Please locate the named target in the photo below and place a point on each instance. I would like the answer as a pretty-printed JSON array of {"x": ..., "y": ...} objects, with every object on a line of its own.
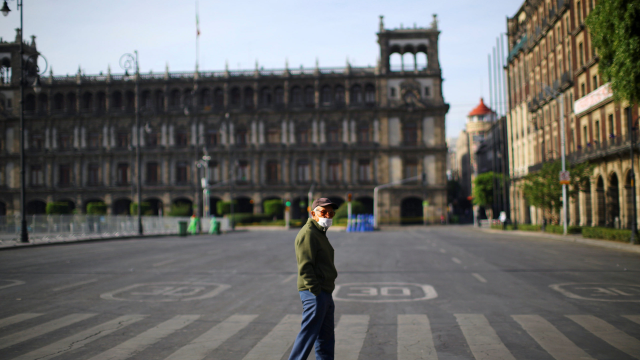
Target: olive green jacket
[{"x": 314, "y": 253}]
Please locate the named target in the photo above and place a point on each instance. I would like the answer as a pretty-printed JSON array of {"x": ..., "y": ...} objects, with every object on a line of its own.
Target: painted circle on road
[
  {"x": 166, "y": 291},
  {"x": 382, "y": 292},
  {"x": 599, "y": 291}
]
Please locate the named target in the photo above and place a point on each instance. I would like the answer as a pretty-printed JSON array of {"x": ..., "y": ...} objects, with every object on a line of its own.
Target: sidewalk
[{"x": 569, "y": 238}]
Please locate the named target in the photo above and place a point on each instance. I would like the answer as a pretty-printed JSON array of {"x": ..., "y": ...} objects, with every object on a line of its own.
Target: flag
[{"x": 197, "y": 21}]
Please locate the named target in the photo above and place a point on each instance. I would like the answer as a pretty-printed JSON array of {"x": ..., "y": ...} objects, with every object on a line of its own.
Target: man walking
[{"x": 316, "y": 281}]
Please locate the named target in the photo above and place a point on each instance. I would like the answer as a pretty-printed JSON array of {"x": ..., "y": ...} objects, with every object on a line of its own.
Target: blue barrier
[{"x": 360, "y": 223}]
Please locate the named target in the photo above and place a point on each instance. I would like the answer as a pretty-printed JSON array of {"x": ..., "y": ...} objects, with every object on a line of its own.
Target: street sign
[{"x": 565, "y": 178}]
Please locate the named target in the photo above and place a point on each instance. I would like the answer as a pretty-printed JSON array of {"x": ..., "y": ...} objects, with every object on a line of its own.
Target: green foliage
[
  {"x": 273, "y": 208},
  {"x": 614, "y": 26},
  {"x": 250, "y": 218},
  {"x": 58, "y": 208},
  {"x": 179, "y": 209},
  {"x": 357, "y": 208},
  {"x": 559, "y": 229},
  {"x": 483, "y": 188},
  {"x": 96, "y": 208},
  {"x": 621, "y": 235},
  {"x": 529, "y": 227},
  {"x": 224, "y": 207},
  {"x": 146, "y": 208},
  {"x": 542, "y": 189}
]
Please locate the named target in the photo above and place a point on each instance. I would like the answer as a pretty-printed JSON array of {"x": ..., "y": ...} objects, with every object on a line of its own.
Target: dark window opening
[
  {"x": 93, "y": 174},
  {"x": 37, "y": 175},
  {"x": 152, "y": 173},
  {"x": 182, "y": 138}
]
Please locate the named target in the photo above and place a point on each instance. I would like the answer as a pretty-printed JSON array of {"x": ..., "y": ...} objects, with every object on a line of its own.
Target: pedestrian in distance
[{"x": 316, "y": 282}]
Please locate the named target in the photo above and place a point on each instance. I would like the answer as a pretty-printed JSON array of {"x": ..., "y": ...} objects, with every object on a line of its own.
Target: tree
[
  {"x": 615, "y": 32},
  {"x": 542, "y": 189},
  {"x": 483, "y": 191}
]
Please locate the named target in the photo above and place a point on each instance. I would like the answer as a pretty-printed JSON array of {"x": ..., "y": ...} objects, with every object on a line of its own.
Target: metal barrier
[{"x": 69, "y": 227}]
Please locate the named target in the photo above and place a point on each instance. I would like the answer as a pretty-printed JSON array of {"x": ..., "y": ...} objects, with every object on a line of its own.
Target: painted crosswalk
[{"x": 101, "y": 338}]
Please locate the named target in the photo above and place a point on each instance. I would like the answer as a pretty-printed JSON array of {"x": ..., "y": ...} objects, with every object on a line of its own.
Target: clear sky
[{"x": 92, "y": 34}]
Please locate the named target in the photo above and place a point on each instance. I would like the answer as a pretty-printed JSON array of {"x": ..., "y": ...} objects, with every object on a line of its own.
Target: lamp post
[
  {"x": 24, "y": 235},
  {"x": 204, "y": 163},
  {"x": 130, "y": 62}
]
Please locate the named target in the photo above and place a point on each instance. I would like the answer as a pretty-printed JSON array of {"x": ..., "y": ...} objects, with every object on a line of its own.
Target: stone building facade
[
  {"x": 271, "y": 134},
  {"x": 550, "y": 46}
]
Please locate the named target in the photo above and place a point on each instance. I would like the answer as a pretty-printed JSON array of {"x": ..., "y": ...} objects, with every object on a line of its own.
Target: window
[
  {"x": 303, "y": 171},
  {"x": 356, "y": 95},
  {"x": 597, "y": 138},
  {"x": 265, "y": 96},
  {"x": 427, "y": 91},
  {"x": 272, "y": 172},
  {"x": 182, "y": 138},
  {"x": 279, "y": 95},
  {"x": 152, "y": 139},
  {"x": 363, "y": 134},
  {"x": 243, "y": 171},
  {"x": 325, "y": 95},
  {"x": 370, "y": 94},
  {"x": 309, "y": 97},
  {"x": 333, "y": 175},
  {"x": 174, "y": 99},
  {"x": 93, "y": 174},
  {"x": 410, "y": 168},
  {"x": 612, "y": 131},
  {"x": 582, "y": 90},
  {"x": 296, "y": 96},
  {"x": 211, "y": 137},
  {"x": 595, "y": 82},
  {"x": 339, "y": 95},
  {"x": 333, "y": 134},
  {"x": 64, "y": 175},
  {"x": 87, "y": 102},
  {"x": 248, "y": 98},
  {"x": 364, "y": 170},
  {"x": 58, "y": 102},
  {"x": 409, "y": 133},
  {"x": 65, "y": 141},
  {"x": 214, "y": 172},
  {"x": 205, "y": 99},
  {"x": 392, "y": 92},
  {"x": 122, "y": 174},
  {"x": 579, "y": 10},
  {"x": 235, "y": 97},
  {"x": 37, "y": 175},
  {"x": 581, "y": 54},
  {"x": 145, "y": 101},
  {"x": 584, "y": 134},
  {"x": 241, "y": 137},
  {"x": 182, "y": 173},
  {"x": 116, "y": 100},
  {"x": 218, "y": 98},
  {"x": 37, "y": 141},
  {"x": 273, "y": 136},
  {"x": 122, "y": 140},
  {"x": 152, "y": 173},
  {"x": 94, "y": 140},
  {"x": 302, "y": 135}
]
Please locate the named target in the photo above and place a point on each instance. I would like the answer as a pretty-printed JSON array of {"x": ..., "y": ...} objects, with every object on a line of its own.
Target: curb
[{"x": 570, "y": 238}]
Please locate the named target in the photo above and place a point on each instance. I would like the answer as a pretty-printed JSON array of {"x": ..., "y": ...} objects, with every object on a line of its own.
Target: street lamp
[
  {"x": 130, "y": 62},
  {"x": 206, "y": 205}
]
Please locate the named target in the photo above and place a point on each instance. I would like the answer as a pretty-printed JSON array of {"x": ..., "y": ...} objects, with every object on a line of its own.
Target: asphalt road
[{"x": 421, "y": 293}]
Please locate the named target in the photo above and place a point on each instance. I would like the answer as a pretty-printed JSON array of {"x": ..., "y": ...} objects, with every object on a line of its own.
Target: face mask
[{"x": 324, "y": 222}]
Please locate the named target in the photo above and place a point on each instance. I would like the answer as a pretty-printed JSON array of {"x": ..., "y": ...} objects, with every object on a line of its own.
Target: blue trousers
[{"x": 317, "y": 327}]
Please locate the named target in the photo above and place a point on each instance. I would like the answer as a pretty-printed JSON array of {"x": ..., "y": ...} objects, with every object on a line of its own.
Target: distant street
[{"x": 421, "y": 293}]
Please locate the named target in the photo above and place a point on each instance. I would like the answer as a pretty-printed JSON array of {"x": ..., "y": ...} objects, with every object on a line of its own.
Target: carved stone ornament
[{"x": 410, "y": 95}]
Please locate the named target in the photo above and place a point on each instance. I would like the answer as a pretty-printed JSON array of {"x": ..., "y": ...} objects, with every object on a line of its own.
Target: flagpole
[{"x": 197, "y": 37}]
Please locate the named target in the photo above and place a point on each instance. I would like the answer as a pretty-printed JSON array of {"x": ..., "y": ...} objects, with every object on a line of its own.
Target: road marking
[
  {"x": 479, "y": 277},
  {"x": 482, "y": 339},
  {"x": 443, "y": 251},
  {"x": 16, "y": 319},
  {"x": 350, "y": 334},
  {"x": 599, "y": 291},
  {"x": 415, "y": 340},
  {"x": 13, "y": 283},
  {"x": 550, "y": 338},
  {"x": 81, "y": 339},
  {"x": 166, "y": 262},
  {"x": 200, "y": 347},
  {"x": 278, "y": 340},
  {"x": 456, "y": 260},
  {"x": 74, "y": 285},
  {"x": 609, "y": 333},
  {"x": 146, "y": 339},
  {"x": 166, "y": 291},
  {"x": 289, "y": 278},
  {"x": 634, "y": 318},
  {"x": 42, "y": 329},
  {"x": 384, "y": 292}
]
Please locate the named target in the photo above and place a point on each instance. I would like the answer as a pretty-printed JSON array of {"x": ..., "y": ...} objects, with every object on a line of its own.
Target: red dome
[{"x": 481, "y": 109}]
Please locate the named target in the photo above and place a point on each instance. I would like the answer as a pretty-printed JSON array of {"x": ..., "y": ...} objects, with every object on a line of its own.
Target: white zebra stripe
[
  {"x": 550, "y": 338},
  {"x": 482, "y": 338},
  {"x": 16, "y": 319},
  {"x": 278, "y": 340},
  {"x": 415, "y": 340},
  {"x": 609, "y": 333},
  {"x": 36, "y": 331},
  {"x": 350, "y": 334}
]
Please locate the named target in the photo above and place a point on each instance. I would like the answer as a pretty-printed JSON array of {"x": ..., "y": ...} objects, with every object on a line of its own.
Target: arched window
[
  {"x": 218, "y": 98},
  {"x": 309, "y": 96},
  {"x": 87, "y": 102},
  {"x": 325, "y": 95},
  {"x": 370, "y": 94},
  {"x": 248, "y": 98},
  {"x": 235, "y": 97},
  {"x": 265, "y": 96},
  {"x": 174, "y": 99},
  {"x": 71, "y": 103},
  {"x": 296, "y": 96},
  {"x": 101, "y": 102},
  {"x": 30, "y": 103},
  {"x": 339, "y": 95},
  {"x": 43, "y": 103},
  {"x": 159, "y": 100},
  {"x": 58, "y": 102},
  {"x": 116, "y": 100},
  {"x": 279, "y": 95},
  {"x": 356, "y": 94}
]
